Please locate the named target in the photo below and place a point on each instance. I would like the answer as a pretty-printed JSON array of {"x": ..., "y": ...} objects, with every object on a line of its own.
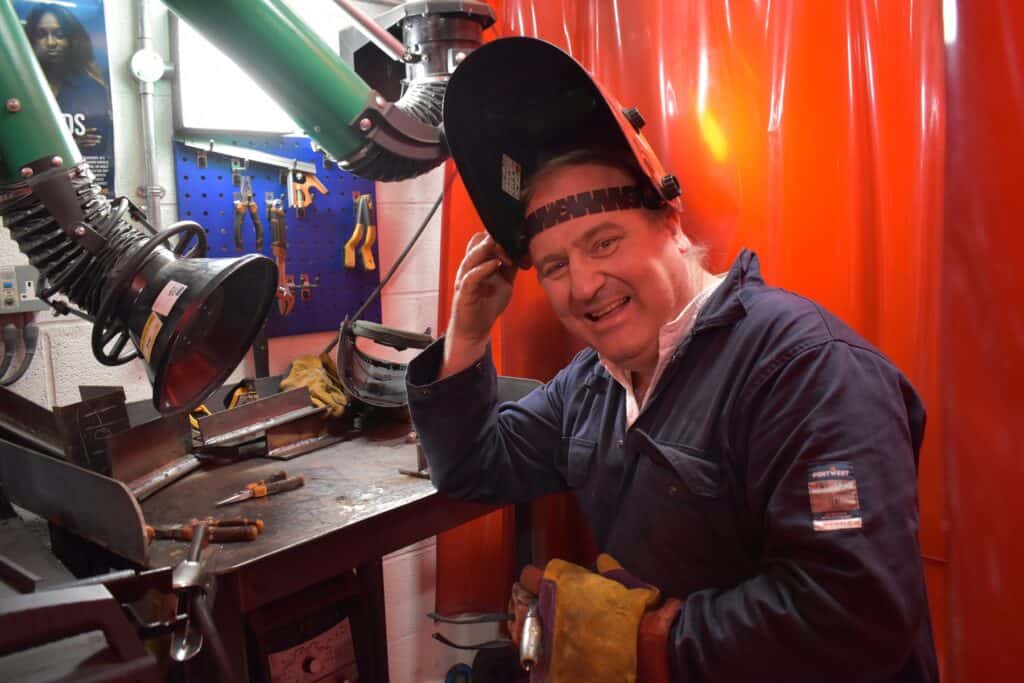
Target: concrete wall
[{"x": 64, "y": 359}]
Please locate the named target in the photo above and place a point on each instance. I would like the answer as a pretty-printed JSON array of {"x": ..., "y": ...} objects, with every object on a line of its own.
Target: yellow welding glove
[
  {"x": 590, "y": 622},
  {"x": 320, "y": 375}
]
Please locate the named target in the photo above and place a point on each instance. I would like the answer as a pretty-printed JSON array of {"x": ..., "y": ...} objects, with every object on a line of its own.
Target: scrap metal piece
[
  {"x": 17, "y": 577},
  {"x": 243, "y": 423},
  {"x": 150, "y": 483},
  {"x": 149, "y": 448},
  {"x": 300, "y": 436},
  {"x": 28, "y": 424},
  {"x": 88, "y": 424},
  {"x": 88, "y": 504}
]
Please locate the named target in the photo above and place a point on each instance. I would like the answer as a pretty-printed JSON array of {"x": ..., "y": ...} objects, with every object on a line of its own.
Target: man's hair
[
  {"x": 612, "y": 158},
  {"x": 79, "y": 57}
]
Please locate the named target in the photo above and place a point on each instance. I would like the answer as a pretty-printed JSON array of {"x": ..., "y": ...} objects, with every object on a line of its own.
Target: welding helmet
[{"x": 515, "y": 103}]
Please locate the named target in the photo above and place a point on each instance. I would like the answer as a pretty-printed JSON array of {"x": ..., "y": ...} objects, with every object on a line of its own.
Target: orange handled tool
[
  {"x": 220, "y": 531},
  {"x": 278, "y": 483},
  {"x": 365, "y": 225}
]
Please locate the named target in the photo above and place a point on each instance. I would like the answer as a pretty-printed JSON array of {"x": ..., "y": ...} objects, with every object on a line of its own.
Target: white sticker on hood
[{"x": 511, "y": 177}]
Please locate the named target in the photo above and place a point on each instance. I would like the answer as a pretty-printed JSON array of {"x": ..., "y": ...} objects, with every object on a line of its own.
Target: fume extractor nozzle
[
  {"x": 147, "y": 293},
  {"x": 403, "y": 139},
  {"x": 352, "y": 123}
]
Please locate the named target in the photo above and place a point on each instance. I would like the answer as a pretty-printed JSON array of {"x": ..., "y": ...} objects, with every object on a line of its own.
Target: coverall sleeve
[
  {"x": 828, "y": 603},
  {"x": 480, "y": 450}
]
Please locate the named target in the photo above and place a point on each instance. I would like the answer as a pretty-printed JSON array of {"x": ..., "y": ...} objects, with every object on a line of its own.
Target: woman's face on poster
[{"x": 49, "y": 41}]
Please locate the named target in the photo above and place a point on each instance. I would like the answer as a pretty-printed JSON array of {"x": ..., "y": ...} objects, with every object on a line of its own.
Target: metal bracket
[
  {"x": 241, "y": 156},
  {"x": 391, "y": 128},
  {"x": 54, "y": 189}
]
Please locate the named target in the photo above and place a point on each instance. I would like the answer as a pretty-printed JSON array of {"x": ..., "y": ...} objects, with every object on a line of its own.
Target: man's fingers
[
  {"x": 473, "y": 278},
  {"x": 503, "y": 255},
  {"x": 475, "y": 239},
  {"x": 479, "y": 249}
]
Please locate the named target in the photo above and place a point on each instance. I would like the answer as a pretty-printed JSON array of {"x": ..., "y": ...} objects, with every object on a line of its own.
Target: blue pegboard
[{"x": 315, "y": 242}]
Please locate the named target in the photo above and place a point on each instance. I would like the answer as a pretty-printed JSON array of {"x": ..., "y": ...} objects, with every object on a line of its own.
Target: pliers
[
  {"x": 275, "y": 216},
  {"x": 364, "y": 222},
  {"x": 244, "y": 202},
  {"x": 277, "y": 483}
]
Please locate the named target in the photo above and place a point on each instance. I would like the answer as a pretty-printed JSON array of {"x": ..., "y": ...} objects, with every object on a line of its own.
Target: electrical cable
[
  {"x": 398, "y": 262},
  {"x": 10, "y": 342},
  {"x": 30, "y": 334}
]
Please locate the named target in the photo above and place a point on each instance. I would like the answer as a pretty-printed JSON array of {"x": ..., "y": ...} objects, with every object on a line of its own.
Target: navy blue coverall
[{"x": 770, "y": 482}]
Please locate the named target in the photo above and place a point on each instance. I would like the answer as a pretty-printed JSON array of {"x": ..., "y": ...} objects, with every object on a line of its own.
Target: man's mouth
[{"x": 603, "y": 312}]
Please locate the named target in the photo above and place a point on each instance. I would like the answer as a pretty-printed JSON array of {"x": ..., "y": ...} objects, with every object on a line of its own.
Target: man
[{"x": 733, "y": 445}]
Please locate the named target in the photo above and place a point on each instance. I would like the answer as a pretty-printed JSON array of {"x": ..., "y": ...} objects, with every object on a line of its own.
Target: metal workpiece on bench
[
  {"x": 232, "y": 427},
  {"x": 25, "y": 423},
  {"x": 149, "y": 447},
  {"x": 88, "y": 504}
]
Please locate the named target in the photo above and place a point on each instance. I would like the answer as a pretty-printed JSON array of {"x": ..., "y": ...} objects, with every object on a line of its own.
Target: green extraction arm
[
  {"x": 365, "y": 133},
  {"x": 289, "y": 61},
  {"x": 31, "y": 127},
  {"x": 370, "y": 136}
]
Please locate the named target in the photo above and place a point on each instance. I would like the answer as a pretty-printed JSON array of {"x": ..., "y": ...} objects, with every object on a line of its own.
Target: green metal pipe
[
  {"x": 281, "y": 53},
  {"x": 31, "y": 125}
]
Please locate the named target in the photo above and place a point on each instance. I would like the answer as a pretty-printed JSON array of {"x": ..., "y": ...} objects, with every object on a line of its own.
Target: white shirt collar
[{"x": 669, "y": 337}]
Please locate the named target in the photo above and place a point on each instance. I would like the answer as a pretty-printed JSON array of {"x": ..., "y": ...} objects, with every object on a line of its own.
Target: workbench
[{"x": 355, "y": 508}]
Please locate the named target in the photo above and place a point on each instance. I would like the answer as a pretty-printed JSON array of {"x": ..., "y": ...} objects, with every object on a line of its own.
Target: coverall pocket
[
  {"x": 580, "y": 454},
  {"x": 698, "y": 476}
]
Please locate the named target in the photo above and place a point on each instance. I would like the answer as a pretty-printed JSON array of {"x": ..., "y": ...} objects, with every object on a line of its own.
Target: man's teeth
[{"x": 597, "y": 315}]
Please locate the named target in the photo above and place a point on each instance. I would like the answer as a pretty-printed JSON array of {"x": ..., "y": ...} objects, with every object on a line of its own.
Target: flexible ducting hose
[{"x": 68, "y": 268}]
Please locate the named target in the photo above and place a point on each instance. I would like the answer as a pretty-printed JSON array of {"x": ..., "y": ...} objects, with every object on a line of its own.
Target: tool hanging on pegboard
[
  {"x": 366, "y": 226},
  {"x": 310, "y": 211},
  {"x": 279, "y": 246},
  {"x": 299, "y": 186},
  {"x": 245, "y": 203}
]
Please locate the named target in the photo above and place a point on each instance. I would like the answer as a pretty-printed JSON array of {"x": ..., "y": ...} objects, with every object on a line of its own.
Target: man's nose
[
  {"x": 585, "y": 280},
  {"x": 51, "y": 40}
]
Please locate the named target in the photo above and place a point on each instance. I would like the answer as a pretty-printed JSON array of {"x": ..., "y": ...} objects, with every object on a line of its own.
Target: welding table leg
[
  {"x": 230, "y": 623},
  {"x": 261, "y": 353},
  {"x": 372, "y": 659}
]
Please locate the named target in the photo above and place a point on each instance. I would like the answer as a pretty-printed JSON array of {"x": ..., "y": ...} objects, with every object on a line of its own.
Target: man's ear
[{"x": 675, "y": 227}]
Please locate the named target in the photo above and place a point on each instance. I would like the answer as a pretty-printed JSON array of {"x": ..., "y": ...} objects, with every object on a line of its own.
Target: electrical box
[{"x": 18, "y": 290}]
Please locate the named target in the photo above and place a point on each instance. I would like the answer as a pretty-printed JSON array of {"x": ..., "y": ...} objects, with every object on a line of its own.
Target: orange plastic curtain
[
  {"x": 811, "y": 132},
  {"x": 983, "y": 337}
]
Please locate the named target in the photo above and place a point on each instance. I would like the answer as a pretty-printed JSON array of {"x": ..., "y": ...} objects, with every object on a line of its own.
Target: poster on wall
[{"x": 69, "y": 39}]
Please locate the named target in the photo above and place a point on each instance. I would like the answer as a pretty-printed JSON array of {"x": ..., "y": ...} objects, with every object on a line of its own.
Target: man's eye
[
  {"x": 606, "y": 244},
  {"x": 553, "y": 269}
]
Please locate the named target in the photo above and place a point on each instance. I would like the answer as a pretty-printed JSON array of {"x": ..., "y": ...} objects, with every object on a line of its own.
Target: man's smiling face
[{"x": 613, "y": 278}]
